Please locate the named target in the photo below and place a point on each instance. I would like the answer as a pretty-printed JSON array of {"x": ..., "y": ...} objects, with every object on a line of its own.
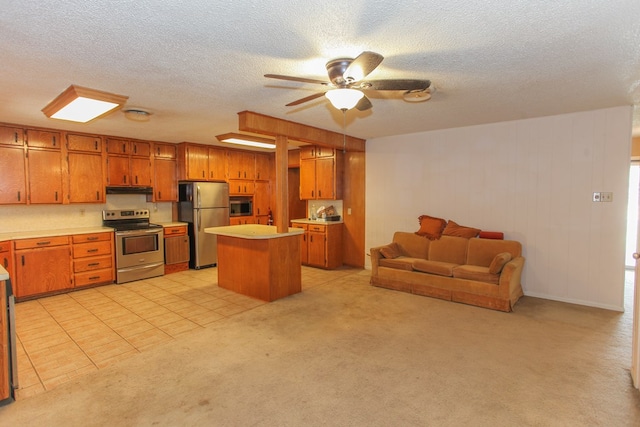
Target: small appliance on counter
[
  {"x": 203, "y": 205},
  {"x": 139, "y": 244}
]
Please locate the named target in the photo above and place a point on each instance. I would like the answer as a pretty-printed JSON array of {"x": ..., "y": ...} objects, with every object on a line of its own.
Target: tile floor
[{"x": 63, "y": 336}]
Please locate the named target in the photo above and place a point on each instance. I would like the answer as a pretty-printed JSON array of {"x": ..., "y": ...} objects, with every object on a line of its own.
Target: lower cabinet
[
  {"x": 321, "y": 245},
  {"x": 93, "y": 259},
  {"x": 176, "y": 249},
  {"x": 241, "y": 220},
  {"x": 42, "y": 266}
]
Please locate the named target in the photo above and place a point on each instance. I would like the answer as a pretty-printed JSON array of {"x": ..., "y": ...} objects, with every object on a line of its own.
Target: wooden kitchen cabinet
[
  {"x": 321, "y": 245},
  {"x": 165, "y": 184},
  {"x": 85, "y": 178},
  {"x": 321, "y": 175},
  {"x": 140, "y": 172},
  {"x": 217, "y": 164},
  {"x": 13, "y": 178},
  {"x": 11, "y": 136},
  {"x": 193, "y": 162},
  {"x": 261, "y": 200},
  {"x": 6, "y": 256},
  {"x": 42, "y": 266},
  {"x": 241, "y": 220},
  {"x": 45, "y": 176},
  {"x": 86, "y": 143},
  {"x": 241, "y": 187},
  {"x": 43, "y": 139},
  {"x": 176, "y": 249},
  {"x": 128, "y": 171},
  {"x": 242, "y": 165},
  {"x": 265, "y": 163},
  {"x": 93, "y": 259}
]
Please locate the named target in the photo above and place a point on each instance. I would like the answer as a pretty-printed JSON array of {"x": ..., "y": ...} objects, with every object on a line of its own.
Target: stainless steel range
[{"x": 139, "y": 244}]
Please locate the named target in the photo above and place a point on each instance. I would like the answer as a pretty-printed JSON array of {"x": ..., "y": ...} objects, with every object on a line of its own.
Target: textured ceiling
[{"x": 196, "y": 64}]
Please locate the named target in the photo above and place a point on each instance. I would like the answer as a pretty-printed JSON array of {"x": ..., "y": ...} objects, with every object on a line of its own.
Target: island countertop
[{"x": 252, "y": 231}]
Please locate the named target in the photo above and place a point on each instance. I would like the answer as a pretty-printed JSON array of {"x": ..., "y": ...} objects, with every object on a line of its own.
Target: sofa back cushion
[
  {"x": 412, "y": 245},
  {"x": 450, "y": 249},
  {"x": 483, "y": 251}
]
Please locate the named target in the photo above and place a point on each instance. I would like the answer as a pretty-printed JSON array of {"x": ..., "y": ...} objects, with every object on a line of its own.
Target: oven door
[{"x": 139, "y": 247}]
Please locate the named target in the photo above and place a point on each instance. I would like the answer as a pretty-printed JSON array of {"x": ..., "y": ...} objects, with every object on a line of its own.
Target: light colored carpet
[{"x": 346, "y": 353}]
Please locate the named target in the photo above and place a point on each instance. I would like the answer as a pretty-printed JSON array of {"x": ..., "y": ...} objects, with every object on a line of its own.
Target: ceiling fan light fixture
[
  {"x": 80, "y": 104},
  {"x": 248, "y": 140},
  {"x": 344, "y": 99},
  {"x": 418, "y": 95}
]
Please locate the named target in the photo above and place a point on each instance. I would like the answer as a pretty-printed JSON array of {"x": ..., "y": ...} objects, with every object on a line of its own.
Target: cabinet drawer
[
  {"x": 318, "y": 228},
  {"x": 94, "y": 277},
  {"x": 88, "y": 264},
  {"x": 91, "y": 249},
  {"x": 175, "y": 231},
  {"x": 92, "y": 237},
  {"x": 42, "y": 242},
  {"x": 5, "y": 246},
  {"x": 299, "y": 225}
]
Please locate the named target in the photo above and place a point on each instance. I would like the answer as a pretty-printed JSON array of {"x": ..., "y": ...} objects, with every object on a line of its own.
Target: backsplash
[{"x": 53, "y": 217}]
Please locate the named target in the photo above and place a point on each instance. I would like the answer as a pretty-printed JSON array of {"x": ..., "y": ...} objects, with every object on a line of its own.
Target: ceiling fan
[{"x": 347, "y": 85}]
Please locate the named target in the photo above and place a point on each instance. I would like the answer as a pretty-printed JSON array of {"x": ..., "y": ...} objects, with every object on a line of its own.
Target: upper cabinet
[
  {"x": 165, "y": 182},
  {"x": 11, "y": 136},
  {"x": 321, "y": 173},
  {"x": 242, "y": 165},
  {"x": 86, "y": 166},
  {"x": 13, "y": 175},
  {"x": 44, "y": 165},
  {"x": 201, "y": 163},
  {"x": 128, "y": 163},
  {"x": 265, "y": 165}
]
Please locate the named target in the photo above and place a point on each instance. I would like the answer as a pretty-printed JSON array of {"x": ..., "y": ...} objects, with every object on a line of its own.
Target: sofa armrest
[
  {"x": 509, "y": 283},
  {"x": 375, "y": 256}
]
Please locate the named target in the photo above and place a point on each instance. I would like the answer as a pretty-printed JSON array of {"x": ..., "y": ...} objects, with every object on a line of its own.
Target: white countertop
[
  {"x": 252, "y": 231},
  {"x": 3, "y": 274},
  {"x": 50, "y": 233},
  {"x": 171, "y": 224},
  {"x": 316, "y": 221}
]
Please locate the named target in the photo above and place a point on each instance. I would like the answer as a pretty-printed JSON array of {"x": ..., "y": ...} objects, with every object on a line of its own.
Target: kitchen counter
[
  {"x": 252, "y": 231},
  {"x": 51, "y": 233},
  {"x": 316, "y": 221},
  {"x": 4, "y": 275},
  {"x": 257, "y": 261},
  {"x": 171, "y": 224}
]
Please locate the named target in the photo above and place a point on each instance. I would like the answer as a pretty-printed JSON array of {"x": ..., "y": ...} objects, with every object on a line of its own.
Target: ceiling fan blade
[
  {"x": 360, "y": 67},
  {"x": 364, "y": 104},
  {"x": 297, "y": 79},
  {"x": 306, "y": 99},
  {"x": 396, "y": 84}
]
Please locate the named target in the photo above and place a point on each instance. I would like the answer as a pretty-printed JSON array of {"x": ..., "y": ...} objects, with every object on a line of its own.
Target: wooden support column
[{"x": 282, "y": 184}]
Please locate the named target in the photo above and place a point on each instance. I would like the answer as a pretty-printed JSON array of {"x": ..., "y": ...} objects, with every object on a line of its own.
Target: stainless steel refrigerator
[{"x": 203, "y": 205}]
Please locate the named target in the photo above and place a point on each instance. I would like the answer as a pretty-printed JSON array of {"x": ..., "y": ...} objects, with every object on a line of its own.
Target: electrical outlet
[
  {"x": 596, "y": 197},
  {"x": 348, "y": 211},
  {"x": 606, "y": 197}
]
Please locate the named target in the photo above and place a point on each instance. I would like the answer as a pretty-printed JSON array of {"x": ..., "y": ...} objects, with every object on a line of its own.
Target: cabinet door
[
  {"x": 118, "y": 170},
  {"x": 165, "y": 185},
  {"x": 304, "y": 248},
  {"x": 165, "y": 151},
  {"x": 6, "y": 257},
  {"x": 197, "y": 162},
  {"x": 13, "y": 181},
  {"x": 307, "y": 152},
  {"x": 42, "y": 270},
  {"x": 324, "y": 152},
  {"x": 11, "y": 136},
  {"x": 45, "y": 176},
  {"x": 264, "y": 165},
  {"x": 316, "y": 251},
  {"x": 43, "y": 139},
  {"x": 140, "y": 172},
  {"x": 241, "y": 187},
  {"x": 84, "y": 143},
  {"x": 325, "y": 178},
  {"x": 217, "y": 164},
  {"x": 140, "y": 149},
  {"x": 307, "y": 179},
  {"x": 117, "y": 146},
  {"x": 261, "y": 198},
  {"x": 85, "y": 178}
]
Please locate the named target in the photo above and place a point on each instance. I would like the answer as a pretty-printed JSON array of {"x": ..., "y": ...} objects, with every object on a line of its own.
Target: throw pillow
[
  {"x": 392, "y": 250},
  {"x": 498, "y": 262},
  {"x": 431, "y": 227},
  {"x": 454, "y": 229}
]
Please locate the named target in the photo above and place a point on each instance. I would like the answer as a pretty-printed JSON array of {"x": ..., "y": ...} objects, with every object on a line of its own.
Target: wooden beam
[
  {"x": 267, "y": 125},
  {"x": 282, "y": 184}
]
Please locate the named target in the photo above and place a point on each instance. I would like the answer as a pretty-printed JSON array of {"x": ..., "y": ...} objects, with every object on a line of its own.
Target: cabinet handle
[
  {"x": 124, "y": 178},
  {"x": 94, "y": 277},
  {"x": 93, "y": 264},
  {"x": 124, "y": 147},
  {"x": 95, "y": 144},
  {"x": 97, "y": 195},
  {"x": 311, "y": 238},
  {"x": 6, "y": 263},
  {"x": 15, "y": 135},
  {"x": 46, "y": 242},
  {"x": 92, "y": 238},
  {"x": 54, "y": 141},
  {"x": 92, "y": 250},
  {"x": 203, "y": 174},
  {"x": 136, "y": 179},
  {"x": 18, "y": 196},
  {"x": 56, "y": 196},
  {"x": 135, "y": 149},
  {"x": 23, "y": 260},
  {"x": 159, "y": 194},
  {"x": 319, "y": 193}
]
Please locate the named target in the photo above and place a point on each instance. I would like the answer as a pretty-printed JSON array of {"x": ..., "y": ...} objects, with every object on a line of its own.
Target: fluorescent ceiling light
[
  {"x": 344, "y": 99},
  {"x": 249, "y": 140},
  {"x": 80, "y": 104}
]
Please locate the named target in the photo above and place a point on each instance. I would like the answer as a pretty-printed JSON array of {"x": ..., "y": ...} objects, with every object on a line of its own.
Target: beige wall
[{"x": 532, "y": 179}]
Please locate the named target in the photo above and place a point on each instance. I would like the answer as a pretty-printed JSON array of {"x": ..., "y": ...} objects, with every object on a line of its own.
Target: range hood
[{"x": 129, "y": 190}]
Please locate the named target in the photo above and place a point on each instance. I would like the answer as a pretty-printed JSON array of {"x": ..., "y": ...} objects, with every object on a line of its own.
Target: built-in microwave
[{"x": 240, "y": 206}]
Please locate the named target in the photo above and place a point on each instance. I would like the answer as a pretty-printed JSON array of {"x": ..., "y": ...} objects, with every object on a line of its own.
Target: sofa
[{"x": 477, "y": 271}]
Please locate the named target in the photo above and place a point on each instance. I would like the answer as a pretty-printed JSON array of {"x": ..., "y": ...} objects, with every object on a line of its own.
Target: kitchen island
[{"x": 257, "y": 261}]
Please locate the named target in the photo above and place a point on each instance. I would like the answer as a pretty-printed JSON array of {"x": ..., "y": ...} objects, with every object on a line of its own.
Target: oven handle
[{"x": 140, "y": 267}]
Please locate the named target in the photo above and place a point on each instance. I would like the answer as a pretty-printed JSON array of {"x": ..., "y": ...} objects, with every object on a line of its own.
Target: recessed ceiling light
[
  {"x": 248, "y": 140},
  {"x": 80, "y": 104},
  {"x": 137, "y": 114}
]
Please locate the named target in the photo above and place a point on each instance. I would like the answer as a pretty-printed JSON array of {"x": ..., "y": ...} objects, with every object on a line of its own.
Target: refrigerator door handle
[
  {"x": 199, "y": 203},
  {"x": 199, "y": 220}
]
